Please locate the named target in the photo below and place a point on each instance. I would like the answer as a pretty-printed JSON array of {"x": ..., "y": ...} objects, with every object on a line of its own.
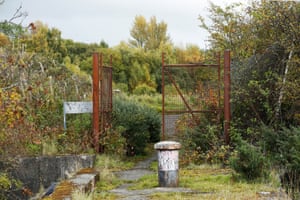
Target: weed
[
  {"x": 107, "y": 165},
  {"x": 79, "y": 195},
  {"x": 147, "y": 181}
]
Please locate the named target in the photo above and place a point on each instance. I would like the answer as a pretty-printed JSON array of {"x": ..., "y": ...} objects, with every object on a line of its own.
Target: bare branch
[
  {"x": 18, "y": 14},
  {"x": 10, "y": 87}
]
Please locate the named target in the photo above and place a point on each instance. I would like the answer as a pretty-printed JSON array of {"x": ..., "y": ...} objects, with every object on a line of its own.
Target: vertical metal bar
[
  {"x": 96, "y": 101},
  {"x": 65, "y": 119},
  {"x": 101, "y": 93},
  {"x": 226, "y": 95},
  {"x": 163, "y": 94},
  {"x": 219, "y": 85},
  {"x": 219, "y": 78},
  {"x": 111, "y": 97},
  {"x": 110, "y": 90}
]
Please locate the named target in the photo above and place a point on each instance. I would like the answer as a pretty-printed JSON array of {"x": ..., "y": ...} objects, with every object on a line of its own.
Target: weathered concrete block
[
  {"x": 84, "y": 181},
  {"x": 37, "y": 172}
]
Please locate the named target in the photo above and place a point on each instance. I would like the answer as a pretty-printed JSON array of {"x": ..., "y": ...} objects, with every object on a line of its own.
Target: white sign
[{"x": 77, "y": 108}]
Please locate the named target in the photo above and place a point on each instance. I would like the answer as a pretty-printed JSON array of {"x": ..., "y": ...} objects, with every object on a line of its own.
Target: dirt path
[{"x": 141, "y": 169}]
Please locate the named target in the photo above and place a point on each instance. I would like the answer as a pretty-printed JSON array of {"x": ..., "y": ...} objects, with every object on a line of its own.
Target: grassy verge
[
  {"x": 206, "y": 181},
  {"x": 211, "y": 183}
]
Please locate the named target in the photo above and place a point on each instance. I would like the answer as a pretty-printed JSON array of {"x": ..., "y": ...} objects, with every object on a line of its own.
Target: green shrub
[
  {"x": 202, "y": 143},
  {"x": 7, "y": 185},
  {"x": 123, "y": 87},
  {"x": 283, "y": 146},
  {"x": 144, "y": 89},
  {"x": 113, "y": 142},
  {"x": 141, "y": 124},
  {"x": 249, "y": 162}
]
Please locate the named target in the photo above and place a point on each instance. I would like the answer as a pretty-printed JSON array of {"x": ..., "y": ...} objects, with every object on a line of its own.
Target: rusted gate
[
  {"x": 102, "y": 97},
  {"x": 190, "y": 88}
]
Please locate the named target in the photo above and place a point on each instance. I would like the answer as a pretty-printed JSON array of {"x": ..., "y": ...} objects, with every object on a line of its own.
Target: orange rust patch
[
  {"x": 64, "y": 189},
  {"x": 87, "y": 171}
]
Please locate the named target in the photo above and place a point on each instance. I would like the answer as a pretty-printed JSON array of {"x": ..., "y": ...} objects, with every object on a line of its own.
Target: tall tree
[
  {"x": 228, "y": 29},
  {"x": 266, "y": 34},
  {"x": 139, "y": 32},
  {"x": 148, "y": 35}
]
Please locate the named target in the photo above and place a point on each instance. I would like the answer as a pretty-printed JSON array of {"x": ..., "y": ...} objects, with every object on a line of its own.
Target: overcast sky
[{"x": 91, "y": 21}]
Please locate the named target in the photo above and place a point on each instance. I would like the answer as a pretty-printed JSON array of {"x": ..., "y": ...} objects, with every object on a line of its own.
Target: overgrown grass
[
  {"x": 79, "y": 195},
  {"x": 146, "y": 182},
  {"x": 107, "y": 165},
  {"x": 208, "y": 182},
  {"x": 172, "y": 102},
  {"x": 111, "y": 164}
]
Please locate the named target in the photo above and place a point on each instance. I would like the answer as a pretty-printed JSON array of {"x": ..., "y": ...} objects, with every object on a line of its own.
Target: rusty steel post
[
  {"x": 110, "y": 86},
  {"x": 218, "y": 59},
  {"x": 219, "y": 78},
  {"x": 96, "y": 101},
  {"x": 163, "y": 94},
  {"x": 226, "y": 96},
  {"x": 101, "y": 95},
  {"x": 110, "y": 91}
]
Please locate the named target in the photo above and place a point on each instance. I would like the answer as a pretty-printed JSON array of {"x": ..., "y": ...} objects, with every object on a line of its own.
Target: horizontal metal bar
[
  {"x": 192, "y": 65},
  {"x": 194, "y": 111}
]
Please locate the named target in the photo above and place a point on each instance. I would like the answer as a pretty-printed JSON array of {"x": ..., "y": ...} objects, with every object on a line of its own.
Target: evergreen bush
[
  {"x": 140, "y": 123},
  {"x": 283, "y": 146},
  {"x": 249, "y": 162}
]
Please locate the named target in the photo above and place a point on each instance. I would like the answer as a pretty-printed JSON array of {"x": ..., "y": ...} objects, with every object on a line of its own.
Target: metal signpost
[
  {"x": 72, "y": 107},
  {"x": 101, "y": 105}
]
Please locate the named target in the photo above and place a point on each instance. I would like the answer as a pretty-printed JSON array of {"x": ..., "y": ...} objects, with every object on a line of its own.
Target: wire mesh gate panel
[
  {"x": 192, "y": 89},
  {"x": 106, "y": 98}
]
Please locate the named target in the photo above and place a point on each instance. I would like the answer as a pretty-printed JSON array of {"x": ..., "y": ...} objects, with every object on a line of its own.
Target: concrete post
[{"x": 168, "y": 163}]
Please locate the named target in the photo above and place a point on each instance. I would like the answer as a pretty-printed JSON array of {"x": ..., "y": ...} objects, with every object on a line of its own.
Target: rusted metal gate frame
[
  {"x": 226, "y": 107},
  {"x": 102, "y": 110},
  {"x": 227, "y": 111}
]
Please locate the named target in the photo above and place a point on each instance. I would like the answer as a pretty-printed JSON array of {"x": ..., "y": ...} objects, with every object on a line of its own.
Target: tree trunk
[{"x": 279, "y": 102}]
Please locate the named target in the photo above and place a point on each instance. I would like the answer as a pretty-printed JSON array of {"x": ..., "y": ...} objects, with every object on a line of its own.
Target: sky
[{"x": 91, "y": 21}]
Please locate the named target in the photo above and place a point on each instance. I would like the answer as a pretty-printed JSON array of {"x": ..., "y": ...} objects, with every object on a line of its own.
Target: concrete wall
[{"x": 37, "y": 172}]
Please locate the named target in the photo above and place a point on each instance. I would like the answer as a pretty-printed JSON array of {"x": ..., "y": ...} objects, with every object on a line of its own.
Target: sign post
[
  {"x": 76, "y": 108},
  {"x": 96, "y": 130},
  {"x": 227, "y": 96}
]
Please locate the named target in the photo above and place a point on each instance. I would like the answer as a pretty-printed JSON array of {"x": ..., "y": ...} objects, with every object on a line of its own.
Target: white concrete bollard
[{"x": 168, "y": 163}]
